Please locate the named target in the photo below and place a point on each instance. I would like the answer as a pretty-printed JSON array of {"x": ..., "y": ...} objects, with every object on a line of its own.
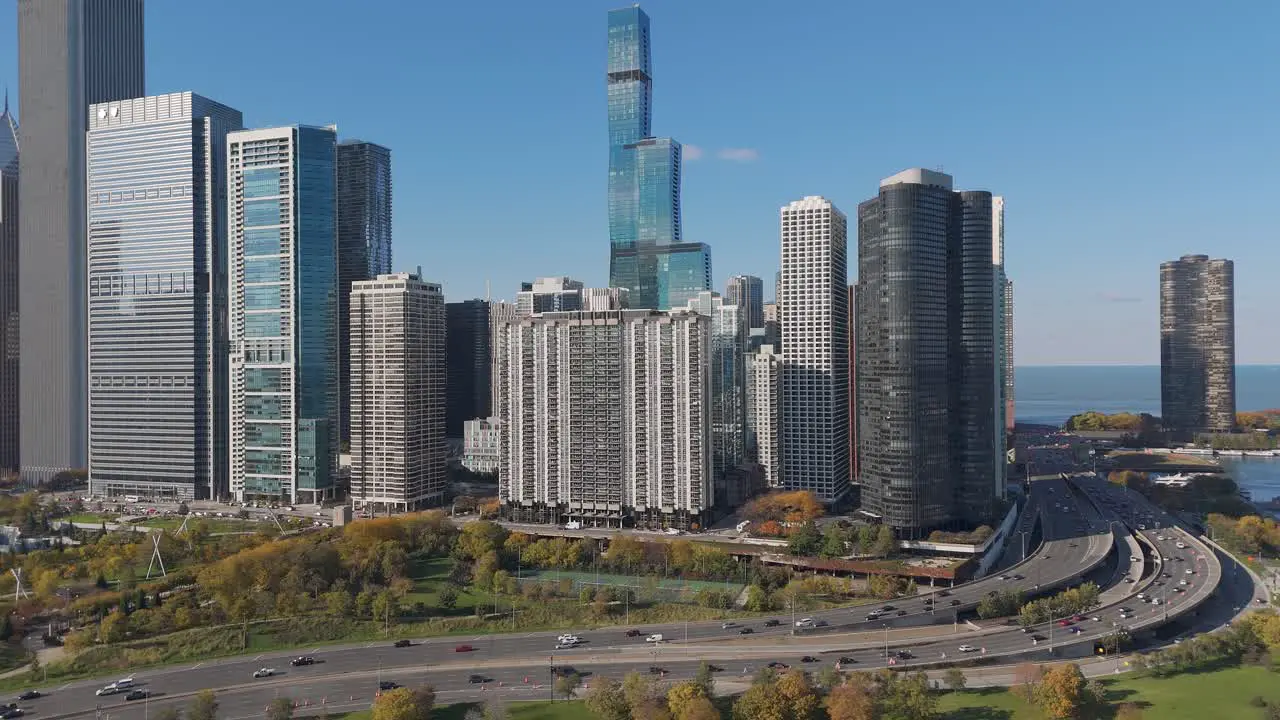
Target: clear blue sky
[{"x": 1121, "y": 133}]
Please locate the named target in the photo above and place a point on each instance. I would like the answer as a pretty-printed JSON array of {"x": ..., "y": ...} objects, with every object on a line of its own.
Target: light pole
[{"x": 886, "y": 643}]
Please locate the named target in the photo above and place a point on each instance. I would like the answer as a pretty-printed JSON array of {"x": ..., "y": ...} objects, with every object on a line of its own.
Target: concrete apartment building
[
  {"x": 605, "y": 418},
  {"x": 1197, "y": 345},
  {"x": 397, "y": 394}
]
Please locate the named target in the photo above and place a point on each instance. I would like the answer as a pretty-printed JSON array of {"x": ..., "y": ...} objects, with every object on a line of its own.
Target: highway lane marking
[
  {"x": 64, "y": 687},
  {"x": 197, "y": 666},
  {"x": 259, "y": 657}
]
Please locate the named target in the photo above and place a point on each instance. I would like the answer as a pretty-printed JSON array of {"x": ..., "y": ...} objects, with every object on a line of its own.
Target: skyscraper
[
  {"x": 1197, "y": 345},
  {"x": 647, "y": 253},
  {"x": 157, "y": 232},
  {"x": 728, "y": 411},
  {"x": 1000, "y": 314},
  {"x": 283, "y": 312},
  {"x": 9, "y": 347},
  {"x": 815, "y": 374},
  {"x": 747, "y": 292},
  {"x": 765, "y": 412},
  {"x": 853, "y": 381},
  {"x": 926, "y": 355},
  {"x": 604, "y": 417},
  {"x": 468, "y": 362},
  {"x": 1010, "y": 404},
  {"x": 397, "y": 393},
  {"x": 71, "y": 54},
  {"x": 364, "y": 239}
]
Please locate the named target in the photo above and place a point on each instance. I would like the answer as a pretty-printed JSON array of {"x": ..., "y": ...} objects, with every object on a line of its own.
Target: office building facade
[
  {"x": 481, "y": 445},
  {"x": 747, "y": 292},
  {"x": 71, "y": 54},
  {"x": 1010, "y": 404},
  {"x": 552, "y": 294},
  {"x": 728, "y": 411},
  {"x": 157, "y": 305},
  {"x": 283, "y": 313},
  {"x": 397, "y": 394},
  {"x": 364, "y": 240},
  {"x": 9, "y": 330},
  {"x": 604, "y": 418},
  {"x": 764, "y": 412},
  {"x": 927, "y": 353},
  {"x": 648, "y": 255},
  {"x": 1197, "y": 345},
  {"x": 813, "y": 313}
]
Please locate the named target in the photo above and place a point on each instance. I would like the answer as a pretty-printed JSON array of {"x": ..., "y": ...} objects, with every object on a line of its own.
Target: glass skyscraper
[
  {"x": 157, "y": 296},
  {"x": 364, "y": 240},
  {"x": 284, "y": 313},
  {"x": 647, "y": 254}
]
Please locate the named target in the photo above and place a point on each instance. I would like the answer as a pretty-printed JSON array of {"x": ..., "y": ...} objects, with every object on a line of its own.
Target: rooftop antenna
[
  {"x": 486, "y": 289},
  {"x": 155, "y": 556}
]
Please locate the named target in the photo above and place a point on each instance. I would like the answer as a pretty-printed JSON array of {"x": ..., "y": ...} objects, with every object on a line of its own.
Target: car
[
  {"x": 1027, "y": 630},
  {"x": 808, "y": 659},
  {"x": 772, "y": 623},
  {"x": 846, "y": 660},
  {"x": 775, "y": 665},
  {"x": 1078, "y": 618},
  {"x": 12, "y": 712},
  {"x": 634, "y": 633},
  {"x": 654, "y": 638},
  {"x": 655, "y": 670},
  {"x": 944, "y": 593},
  {"x": 967, "y": 649},
  {"x": 1018, "y": 577},
  {"x": 263, "y": 672},
  {"x": 1166, "y": 575},
  {"x": 138, "y": 695},
  {"x": 30, "y": 695},
  {"x": 1180, "y": 545},
  {"x": 302, "y": 660},
  {"x": 1075, "y": 630},
  {"x": 1134, "y": 558},
  {"x": 804, "y": 622},
  {"x": 1097, "y": 618},
  {"x": 1189, "y": 571},
  {"x": 1064, "y": 623},
  {"x": 904, "y": 655},
  {"x": 1037, "y": 638},
  {"x": 953, "y": 603},
  {"x": 1126, "y": 609},
  {"x": 1178, "y": 590},
  {"x": 874, "y": 615},
  {"x": 728, "y": 625},
  {"x": 463, "y": 648},
  {"x": 566, "y": 646},
  {"x": 900, "y": 613},
  {"x": 475, "y": 679},
  {"x": 386, "y": 685},
  {"x": 1125, "y": 616},
  {"x": 715, "y": 668},
  {"x": 887, "y": 608},
  {"x": 1156, "y": 601},
  {"x": 566, "y": 638},
  {"x": 403, "y": 644},
  {"x": 928, "y": 601},
  {"x": 1006, "y": 578},
  {"x": 745, "y": 631}
]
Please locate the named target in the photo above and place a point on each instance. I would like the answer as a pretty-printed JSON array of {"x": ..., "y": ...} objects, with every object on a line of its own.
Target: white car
[
  {"x": 654, "y": 638},
  {"x": 566, "y": 645},
  {"x": 1142, "y": 596},
  {"x": 968, "y": 649},
  {"x": 1189, "y": 571},
  {"x": 263, "y": 672},
  {"x": 1180, "y": 545},
  {"x": 568, "y": 639},
  {"x": 804, "y": 622}
]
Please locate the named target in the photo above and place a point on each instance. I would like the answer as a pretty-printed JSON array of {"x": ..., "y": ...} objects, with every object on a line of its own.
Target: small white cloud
[
  {"x": 739, "y": 154},
  {"x": 691, "y": 152}
]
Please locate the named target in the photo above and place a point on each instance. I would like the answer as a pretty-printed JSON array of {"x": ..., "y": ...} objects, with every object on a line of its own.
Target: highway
[{"x": 516, "y": 665}]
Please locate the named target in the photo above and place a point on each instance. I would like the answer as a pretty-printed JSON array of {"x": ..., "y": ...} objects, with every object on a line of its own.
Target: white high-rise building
[
  {"x": 814, "y": 309},
  {"x": 605, "y": 415},
  {"x": 481, "y": 441},
  {"x": 764, "y": 411},
  {"x": 397, "y": 393},
  {"x": 728, "y": 384},
  {"x": 282, "y": 237},
  {"x": 601, "y": 299},
  {"x": 1002, "y": 364},
  {"x": 549, "y": 294}
]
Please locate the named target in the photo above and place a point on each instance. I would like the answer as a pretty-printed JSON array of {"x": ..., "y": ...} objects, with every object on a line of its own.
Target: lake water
[{"x": 1049, "y": 395}]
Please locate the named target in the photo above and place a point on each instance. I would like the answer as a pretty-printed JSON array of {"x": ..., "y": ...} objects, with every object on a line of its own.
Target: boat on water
[
  {"x": 1231, "y": 452},
  {"x": 1262, "y": 453}
]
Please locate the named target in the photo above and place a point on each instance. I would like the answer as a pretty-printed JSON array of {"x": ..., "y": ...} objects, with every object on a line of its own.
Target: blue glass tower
[{"x": 646, "y": 252}]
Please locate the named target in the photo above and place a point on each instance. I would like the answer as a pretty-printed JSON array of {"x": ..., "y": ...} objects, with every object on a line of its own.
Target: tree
[
  {"x": 833, "y": 542},
  {"x": 907, "y": 697},
  {"x": 114, "y": 627},
  {"x": 1061, "y": 691},
  {"x": 101, "y": 582},
  {"x": 699, "y": 709},
  {"x": 1026, "y": 678},
  {"x": 852, "y": 700},
  {"x": 638, "y": 689},
  {"x": 805, "y": 540},
  {"x": 954, "y": 678},
  {"x": 280, "y": 709},
  {"x": 495, "y": 709},
  {"x": 762, "y": 701},
  {"x": 801, "y": 696},
  {"x": 6, "y": 628},
  {"x": 885, "y": 543},
  {"x": 681, "y": 694},
  {"x": 448, "y": 598},
  {"x": 405, "y": 704},
  {"x": 605, "y": 699},
  {"x": 204, "y": 706},
  {"x": 567, "y": 684},
  {"x": 169, "y": 712},
  {"x": 705, "y": 679}
]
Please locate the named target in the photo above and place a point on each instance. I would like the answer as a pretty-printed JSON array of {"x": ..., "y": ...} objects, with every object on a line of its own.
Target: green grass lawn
[
  {"x": 215, "y": 525},
  {"x": 95, "y": 518},
  {"x": 1189, "y": 696},
  {"x": 429, "y": 578}
]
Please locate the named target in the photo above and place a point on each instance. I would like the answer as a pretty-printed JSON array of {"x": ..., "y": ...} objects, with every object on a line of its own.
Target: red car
[
  {"x": 463, "y": 648},
  {"x": 1064, "y": 623}
]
